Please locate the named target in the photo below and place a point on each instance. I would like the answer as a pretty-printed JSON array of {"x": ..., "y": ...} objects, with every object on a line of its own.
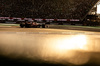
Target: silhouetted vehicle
[{"x": 31, "y": 24}]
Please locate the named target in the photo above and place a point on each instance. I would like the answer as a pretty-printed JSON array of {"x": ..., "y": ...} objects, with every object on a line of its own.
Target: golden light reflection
[
  {"x": 76, "y": 42},
  {"x": 56, "y": 49},
  {"x": 66, "y": 48}
]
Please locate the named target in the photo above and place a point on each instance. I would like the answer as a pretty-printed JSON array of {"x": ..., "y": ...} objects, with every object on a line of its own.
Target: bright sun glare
[
  {"x": 76, "y": 42},
  {"x": 98, "y": 9}
]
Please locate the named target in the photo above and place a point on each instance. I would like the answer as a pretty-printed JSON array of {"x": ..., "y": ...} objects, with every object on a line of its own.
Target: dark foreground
[{"x": 21, "y": 61}]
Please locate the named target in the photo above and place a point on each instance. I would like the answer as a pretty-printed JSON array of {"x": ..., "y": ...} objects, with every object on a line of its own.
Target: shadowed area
[{"x": 51, "y": 9}]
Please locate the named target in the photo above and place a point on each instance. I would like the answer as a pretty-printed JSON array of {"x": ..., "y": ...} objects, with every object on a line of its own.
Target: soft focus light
[
  {"x": 76, "y": 42},
  {"x": 55, "y": 49},
  {"x": 98, "y": 9}
]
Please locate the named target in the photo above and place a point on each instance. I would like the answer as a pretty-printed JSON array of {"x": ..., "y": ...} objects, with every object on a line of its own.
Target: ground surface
[{"x": 36, "y": 47}]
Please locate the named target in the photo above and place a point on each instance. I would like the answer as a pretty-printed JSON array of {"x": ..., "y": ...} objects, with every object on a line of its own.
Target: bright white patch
[
  {"x": 76, "y": 42},
  {"x": 98, "y": 9}
]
